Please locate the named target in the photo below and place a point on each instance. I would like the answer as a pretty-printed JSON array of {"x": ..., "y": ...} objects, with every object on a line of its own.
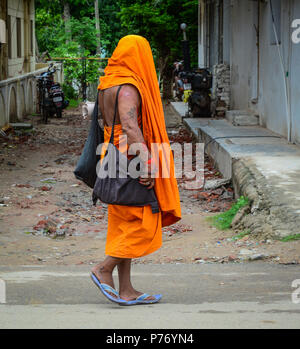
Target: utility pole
[{"x": 97, "y": 27}]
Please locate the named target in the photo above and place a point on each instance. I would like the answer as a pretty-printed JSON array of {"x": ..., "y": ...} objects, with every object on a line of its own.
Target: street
[
  {"x": 51, "y": 236},
  {"x": 218, "y": 82},
  {"x": 194, "y": 297}
]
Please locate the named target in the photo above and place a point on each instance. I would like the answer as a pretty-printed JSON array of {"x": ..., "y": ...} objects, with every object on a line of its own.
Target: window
[
  {"x": 31, "y": 38},
  {"x": 19, "y": 42},
  {"x": 275, "y": 21},
  {"x": 9, "y": 36}
]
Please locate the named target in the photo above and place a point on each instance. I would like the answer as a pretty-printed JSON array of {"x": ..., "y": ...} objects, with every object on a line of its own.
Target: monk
[{"x": 134, "y": 232}]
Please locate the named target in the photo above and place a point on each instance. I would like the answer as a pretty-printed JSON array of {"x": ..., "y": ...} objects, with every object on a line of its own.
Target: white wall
[
  {"x": 243, "y": 54},
  {"x": 201, "y": 34},
  {"x": 295, "y": 81},
  {"x": 272, "y": 102},
  {"x": 272, "y": 99},
  {"x": 226, "y": 30}
]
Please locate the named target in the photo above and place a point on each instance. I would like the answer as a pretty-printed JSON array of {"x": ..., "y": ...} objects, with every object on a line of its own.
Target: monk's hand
[
  {"x": 147, "y": 181},
  {"x": 147, "y": 177}
]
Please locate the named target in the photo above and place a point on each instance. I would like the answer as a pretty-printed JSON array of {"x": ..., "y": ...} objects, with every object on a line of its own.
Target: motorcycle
[
  {"x": 178, "y": 80},
  {"x": 199, "y": 100},
  {"x": 51, "y": 96}
]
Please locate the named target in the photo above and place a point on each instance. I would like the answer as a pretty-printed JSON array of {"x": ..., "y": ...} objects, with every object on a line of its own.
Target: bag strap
[
  {"x": 96, "y": 109},
  {"x": 115, "y": 115}
]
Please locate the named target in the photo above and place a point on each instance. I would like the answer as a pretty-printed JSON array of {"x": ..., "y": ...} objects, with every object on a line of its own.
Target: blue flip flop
[
  {"x": 142, "y": 300},
  {"x": 106, "y": 288}
]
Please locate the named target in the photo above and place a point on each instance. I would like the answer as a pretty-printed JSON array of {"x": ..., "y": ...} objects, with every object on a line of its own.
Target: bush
[{"x": 69, "y": 91}]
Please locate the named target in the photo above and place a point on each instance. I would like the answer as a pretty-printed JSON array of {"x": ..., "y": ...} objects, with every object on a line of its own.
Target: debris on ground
[
  {"x": 216, "y": 183},
  {"x": 217, "y": 194},
  {"x": 176, "y": 229},
  {"x": 47, "y": 216}
]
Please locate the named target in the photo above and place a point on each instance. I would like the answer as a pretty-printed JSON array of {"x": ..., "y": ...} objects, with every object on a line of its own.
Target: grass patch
[
  {"x": 48, "y": 181},
  {"x": 223, "y": 220},
  {"x": 291, "y": 238},
  {"x": 241, "y": 235},
  {"x": 73, "y": 103}
]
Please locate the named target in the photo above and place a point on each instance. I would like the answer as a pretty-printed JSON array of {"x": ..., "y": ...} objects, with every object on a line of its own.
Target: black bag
[
  {"x": 86, "y": 166},
  {"x": 122, "y": 189}
]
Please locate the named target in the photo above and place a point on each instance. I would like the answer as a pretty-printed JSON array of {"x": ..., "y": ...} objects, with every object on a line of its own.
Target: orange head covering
[{"x": 132, "y": 63}]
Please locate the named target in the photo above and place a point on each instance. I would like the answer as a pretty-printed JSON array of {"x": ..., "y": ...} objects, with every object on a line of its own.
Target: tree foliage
[
  {"x": 157, "y": 20},
  {"x": 51, "y": 32}
]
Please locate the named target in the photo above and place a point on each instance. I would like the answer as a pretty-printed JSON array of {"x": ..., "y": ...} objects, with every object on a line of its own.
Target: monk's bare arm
[{"x": 129, "y": 103}]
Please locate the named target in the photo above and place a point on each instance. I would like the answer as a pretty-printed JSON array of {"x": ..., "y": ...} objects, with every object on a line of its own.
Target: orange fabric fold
[{"x": 132, "y": 63}]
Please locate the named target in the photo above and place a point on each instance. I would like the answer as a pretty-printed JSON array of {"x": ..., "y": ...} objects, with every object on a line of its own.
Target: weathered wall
[
  {"x": 221, "y": 89},
  {"x": 226, "y": 31},
  {"x": 3, "y": 49},
  {"x": 16, "y": 64},
  {"x": 243, "y": 54},
  {"x": 258, "y": 84},
  {"x": 272, "y": 100},
  {"x": 18, "y": 95},
  {"x": 295, "y": 81}
]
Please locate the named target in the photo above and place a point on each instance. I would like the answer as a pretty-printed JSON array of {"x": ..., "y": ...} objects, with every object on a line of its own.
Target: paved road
[{"x": 194, "y": 296}]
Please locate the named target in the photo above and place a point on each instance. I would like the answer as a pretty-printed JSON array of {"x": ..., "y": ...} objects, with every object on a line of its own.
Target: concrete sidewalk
[
  {"x": 194, "y": 296},
  {"x": 263, "y": 167}
]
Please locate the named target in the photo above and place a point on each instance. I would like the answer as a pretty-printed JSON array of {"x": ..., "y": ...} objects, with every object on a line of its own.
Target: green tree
[
  {"x": 110, "y": 26},
  {"x": 159, "y": 21},
  {"x": 76, "y": 40}
]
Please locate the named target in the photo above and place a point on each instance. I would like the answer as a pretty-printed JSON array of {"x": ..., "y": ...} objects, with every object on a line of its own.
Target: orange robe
[
  {"x": 132, "y": 231},
  {"x": 135, "y": 231}
]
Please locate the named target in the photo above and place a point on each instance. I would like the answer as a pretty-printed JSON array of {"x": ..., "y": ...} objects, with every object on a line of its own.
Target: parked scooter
[
  {"x": 178, "y": 80},
  {"x": 50, "y": 95},
  {"x": 199, "y": 101}
]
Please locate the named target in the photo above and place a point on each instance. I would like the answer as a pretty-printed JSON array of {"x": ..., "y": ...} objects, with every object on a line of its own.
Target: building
[
  {"x": 259, "y": 42},
  {"x": 18, "y": 60},
  {"x": 19, "y": 57}
]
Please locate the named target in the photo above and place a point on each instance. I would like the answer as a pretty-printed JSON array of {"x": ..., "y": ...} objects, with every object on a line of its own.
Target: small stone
[
  {"x": 200, "y": 261},
  {"x": 257, "y": 257},
  {"x": 245, "y": 252},
  {"x": 45, "y": 188}
]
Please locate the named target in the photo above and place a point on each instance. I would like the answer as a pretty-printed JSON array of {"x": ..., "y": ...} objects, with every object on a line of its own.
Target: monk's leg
[
  {"x": 103, "y": 271},
  {"x": 126, "y": 290}
]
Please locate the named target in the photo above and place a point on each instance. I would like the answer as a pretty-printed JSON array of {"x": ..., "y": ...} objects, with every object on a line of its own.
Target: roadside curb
[{"x": 263, "y": 169}]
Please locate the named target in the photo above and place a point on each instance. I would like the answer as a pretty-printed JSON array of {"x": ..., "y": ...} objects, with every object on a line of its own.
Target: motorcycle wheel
[
  {"x": 59, "y": 113},
  {"x": 196, "y": 111},
  {"x": 45, "y": 114}
]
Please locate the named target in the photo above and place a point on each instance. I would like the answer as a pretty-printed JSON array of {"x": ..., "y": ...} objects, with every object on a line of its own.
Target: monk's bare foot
[
  {"x": 130, "y": 295},
  {"x": 104, "y": 276}
]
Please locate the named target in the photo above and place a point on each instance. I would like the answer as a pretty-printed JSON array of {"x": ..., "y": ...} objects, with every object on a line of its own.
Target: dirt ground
[{"x": 47, "y": 217}]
